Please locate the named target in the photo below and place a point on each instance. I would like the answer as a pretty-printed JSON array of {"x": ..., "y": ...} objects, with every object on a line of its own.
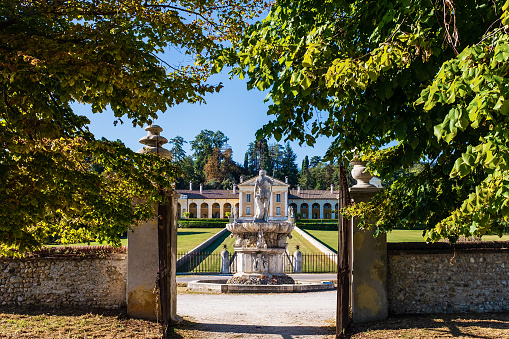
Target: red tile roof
[
  {"x": 210, "y": 194},
  {"x": 313, "y": 194},
  {"x": 228, "y": 194}
]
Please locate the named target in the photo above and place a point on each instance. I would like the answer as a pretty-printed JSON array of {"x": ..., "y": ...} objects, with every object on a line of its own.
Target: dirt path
[{"x": 287, "y": 316}]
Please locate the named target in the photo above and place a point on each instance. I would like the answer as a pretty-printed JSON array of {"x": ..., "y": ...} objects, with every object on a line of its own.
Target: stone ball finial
[{"x": 153, "y": 141}]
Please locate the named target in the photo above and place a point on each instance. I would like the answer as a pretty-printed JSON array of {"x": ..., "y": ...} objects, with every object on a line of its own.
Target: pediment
[{"x": 251, "y": 182}]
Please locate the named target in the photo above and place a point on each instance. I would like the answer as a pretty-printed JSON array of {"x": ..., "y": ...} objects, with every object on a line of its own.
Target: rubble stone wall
[
  {"x": 53, "y": 282},
  {"x": 462, "y": 281}
]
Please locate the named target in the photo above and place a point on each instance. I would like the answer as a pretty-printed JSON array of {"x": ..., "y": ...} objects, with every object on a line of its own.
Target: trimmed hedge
[
  {"x": 317, "y": 221},
  {"x": 318, "y": 224},
  {"x": 311, "y": 224},
  {"x": 202, "y": 223}
]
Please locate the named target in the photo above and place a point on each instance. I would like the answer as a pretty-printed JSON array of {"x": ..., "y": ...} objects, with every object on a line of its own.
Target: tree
[
  {"x": 203, "y": 145},
  {"x": 288, "y": 166},
  {"x": 221, "y": 171},
  {"x": 103, "y": 54},
  {"x": 262, "y": 148},
  {"x": 305, "y": 164},
  {"x": 429, "y": 76},
  {"x": 230, "y": 170},
  {"x": 315, "y": 160},
  {"x": 212, "y": 171},
  {"x": 177, "y": 149}
]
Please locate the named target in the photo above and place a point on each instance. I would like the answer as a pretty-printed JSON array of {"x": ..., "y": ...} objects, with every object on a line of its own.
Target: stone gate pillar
[
  {"x": 143, "y": 249},
  {"x": 369, "y": 276}
]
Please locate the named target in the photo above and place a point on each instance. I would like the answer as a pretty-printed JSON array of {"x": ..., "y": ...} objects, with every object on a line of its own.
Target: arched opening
[
  {"x": 179, "y": 211},
  {"x": 216, "y": 210},
  {"x": 315, "y": 210},
  {"x": 226, "y": 208},
  {"x": 304, "y": 211},
  {"x": 193, "y": 209},
  {"x": 294, "y": 207},
  {"x": 327, "y": 211},
  {"x": 336, "y": 211},
  {"x": 204, "y": 210}
]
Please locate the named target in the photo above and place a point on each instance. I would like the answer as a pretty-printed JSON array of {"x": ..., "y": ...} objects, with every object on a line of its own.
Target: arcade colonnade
[
  {"x": 201, "y": 208},
  {"x": 310, "y": 204},
  {"x": 316, "y": 210}
]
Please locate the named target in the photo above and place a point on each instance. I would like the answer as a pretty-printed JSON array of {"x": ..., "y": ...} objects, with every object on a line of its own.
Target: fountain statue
[{"x": 261, "y": 242}]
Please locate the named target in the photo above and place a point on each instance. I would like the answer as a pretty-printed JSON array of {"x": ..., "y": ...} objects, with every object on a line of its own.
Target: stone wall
[
  {"x": 439, "y": 278},
  {"x": 64, "y": 281}
]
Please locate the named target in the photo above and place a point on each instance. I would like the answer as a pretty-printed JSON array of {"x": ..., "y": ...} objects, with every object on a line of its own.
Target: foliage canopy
[
  {"x": 429, "y": 76},
  {"x": 104, "y": 53}
]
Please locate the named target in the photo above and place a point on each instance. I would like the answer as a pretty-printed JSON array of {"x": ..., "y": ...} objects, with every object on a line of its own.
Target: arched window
[
  {"x": 216, "y": 210},
  {"x": 204, "y": 210},
  {"x": 315, "y": 211},
  {"x": 226, "y": 208},
  {"x": 304, "y": 210},
  {"x": 193, "y": 209},
  {"x": 327, "y": 211}
]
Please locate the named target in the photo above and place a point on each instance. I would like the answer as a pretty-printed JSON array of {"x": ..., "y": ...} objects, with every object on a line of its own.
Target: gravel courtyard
[{"x": 278, "y": 315}]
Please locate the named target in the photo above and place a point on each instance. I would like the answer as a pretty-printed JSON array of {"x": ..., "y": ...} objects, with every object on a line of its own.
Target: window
[
  {"x": 248, "y": 209},
  {"x": 278, "y": 198},
  {"x": 278, "y": 210},
  {"x": 248, "y": 197}
]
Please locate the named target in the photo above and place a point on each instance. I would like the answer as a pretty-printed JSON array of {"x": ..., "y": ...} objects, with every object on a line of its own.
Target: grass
[
  {"x": 72, "y": 323},
  {"x": 200, "y": 263},
  {"x": 330, "y": 238},
  {"x": 189, "y": 238},
  {"x": 486, "y": 325},
  {"x": 43, "y": 324},
  {"x": 305, "y": 246}
]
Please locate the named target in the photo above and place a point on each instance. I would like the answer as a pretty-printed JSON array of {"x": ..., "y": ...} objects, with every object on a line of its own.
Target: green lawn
[
  {"x": 211, "y": 263},
  {"x": 189, "y": 238},
  {"x": 305, "y": 246},
  {"x": 330, "y": 238}
]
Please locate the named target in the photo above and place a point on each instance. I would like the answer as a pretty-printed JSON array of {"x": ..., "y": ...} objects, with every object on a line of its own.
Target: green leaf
[
  {"x": 306, "y": 82},
  {"x": 504, "y": 108}
]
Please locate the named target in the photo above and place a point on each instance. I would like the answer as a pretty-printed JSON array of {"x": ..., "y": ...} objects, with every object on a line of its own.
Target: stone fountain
[{"x": 261, "y": 243}]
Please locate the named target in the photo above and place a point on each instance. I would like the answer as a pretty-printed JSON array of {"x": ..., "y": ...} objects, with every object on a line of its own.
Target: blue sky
[{"x": 235, "y": 111}]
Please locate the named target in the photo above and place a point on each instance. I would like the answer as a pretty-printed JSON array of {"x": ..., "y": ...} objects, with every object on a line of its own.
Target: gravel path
[{"x": 273, "y": 316}]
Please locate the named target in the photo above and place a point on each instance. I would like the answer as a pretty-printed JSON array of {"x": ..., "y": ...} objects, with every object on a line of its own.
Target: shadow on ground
[
  {"x": 485, "y": 326},
  {"x": 210, "y": 331}
]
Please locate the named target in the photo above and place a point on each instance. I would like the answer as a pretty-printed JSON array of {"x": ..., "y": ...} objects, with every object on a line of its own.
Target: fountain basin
[
  {"x": 255, "y": 227},
  {"x": 220, "y": 286}
]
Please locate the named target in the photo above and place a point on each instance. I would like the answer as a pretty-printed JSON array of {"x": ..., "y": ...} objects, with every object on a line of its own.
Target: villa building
[{"x": 311, "y": 204}]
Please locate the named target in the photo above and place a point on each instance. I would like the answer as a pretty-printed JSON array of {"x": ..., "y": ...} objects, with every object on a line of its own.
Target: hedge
[
  {"x": 202, "y": 223},
  {"x": 318, "y": 224},
  {"x": 312, "y": 224}
]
